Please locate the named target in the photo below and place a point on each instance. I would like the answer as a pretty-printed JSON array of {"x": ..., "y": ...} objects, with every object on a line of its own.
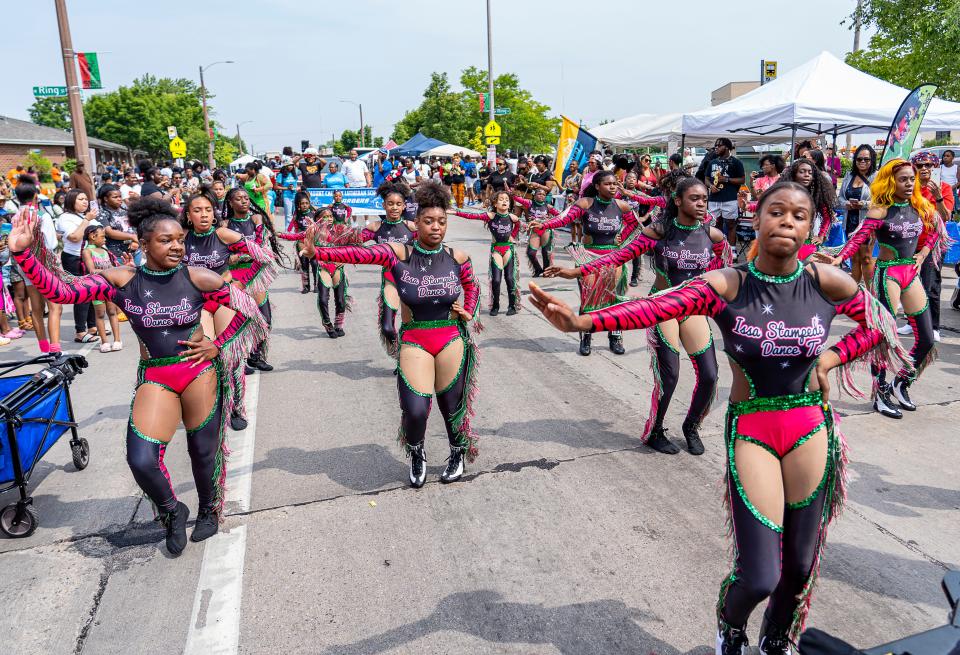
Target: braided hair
[
  {"x": 684, "y": 183},
  {"x": 146, "y": 214},
  {"x": 823, "y": 194}
]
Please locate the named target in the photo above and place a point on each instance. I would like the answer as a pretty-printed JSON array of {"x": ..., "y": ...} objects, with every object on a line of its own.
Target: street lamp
[
  {"x": 359, "y": 106},
  {"x": 239, "y": 142},
  {"x": 206, "y": 118}
]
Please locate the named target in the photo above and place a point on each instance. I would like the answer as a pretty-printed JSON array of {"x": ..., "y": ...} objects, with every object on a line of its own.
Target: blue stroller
[{"x": 35, "y": 410}]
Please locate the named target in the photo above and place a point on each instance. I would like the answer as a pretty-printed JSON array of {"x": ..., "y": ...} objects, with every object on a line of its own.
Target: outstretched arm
[
  {"x": 570, "y": 216},
  {"x": 695, "y": 297},
  {"x": 378, "y": 255},
  {"x": 634, "y": 248},
  {"x": 858, "y": 238},
  {"x": 471, "y": 216},
  {"x": 82, "y": 289},
  {"x": 643, "y": 199}
]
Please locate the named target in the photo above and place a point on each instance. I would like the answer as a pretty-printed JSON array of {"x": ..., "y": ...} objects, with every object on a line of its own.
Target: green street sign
[
  {"x": 50, "y": 91},
  {"x": 501, "y": 111}
]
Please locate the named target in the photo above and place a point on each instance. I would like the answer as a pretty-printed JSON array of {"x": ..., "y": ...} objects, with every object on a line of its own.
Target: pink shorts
[
  {"x": 806, "y": 250},
  {"x": 501, "y": 250},
  {"x": 175, "y": 377},
  {"x": 781, "y": 430},
  {"x": 242, "y": 275},
  {"x": 433, "y": 339}
]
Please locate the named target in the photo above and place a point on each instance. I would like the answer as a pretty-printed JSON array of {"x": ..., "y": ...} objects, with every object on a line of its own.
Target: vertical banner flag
[
  {"x": 89, "y": 70},
  {"x": 906, "y": 123},
  {"x": 575, "y": 144}
]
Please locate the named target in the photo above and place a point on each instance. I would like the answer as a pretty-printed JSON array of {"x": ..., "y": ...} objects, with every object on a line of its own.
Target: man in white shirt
[
  {"x": 356, "y": 171},
  {"x": 948, "y": 174},
  {"x": 130, "y": 189}
]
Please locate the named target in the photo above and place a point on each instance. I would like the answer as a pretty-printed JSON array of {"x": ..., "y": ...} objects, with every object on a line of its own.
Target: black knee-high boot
[
  {"x": 496, "y": 277},
  {"x": 258, "y": 358},
  {"x": 414, "y": 412},
  {"x": 145, "y": 458},
  {"x": 513, "y": 293},
  {"x": 706, "y": 371},
  {"x": 323, "y": 304},
  {"x": 921, "y": 354},
  {"x": 535, "y": 266},
  {"x": 208, "y": 460},
  {"x": 453, "y": 407},
  {"x": 546, "y": 254},
  {"x": 666, "y": 370},
  {"x": 305, "y": 274},
  {"x": 635, "y": 271},
  {"x": 340, "y": 304},
  {"x": 388, "y": 328}
]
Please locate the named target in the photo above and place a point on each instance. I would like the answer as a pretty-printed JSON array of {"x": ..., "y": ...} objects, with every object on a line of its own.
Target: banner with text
[{"x": 364, "y": 201}]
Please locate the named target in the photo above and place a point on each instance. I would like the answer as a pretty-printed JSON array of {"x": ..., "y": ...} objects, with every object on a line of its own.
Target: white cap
[
  {"x": 166, "y": 172},
  {"x": 311, "y": 151}
]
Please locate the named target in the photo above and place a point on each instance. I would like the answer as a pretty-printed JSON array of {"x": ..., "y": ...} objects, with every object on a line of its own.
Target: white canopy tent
[
  {"x": 655, "y": 130},
  {"x": 449, "y": 150},
  {"x": 822, "y": 96},
  {"x": 242, "y": 161}
]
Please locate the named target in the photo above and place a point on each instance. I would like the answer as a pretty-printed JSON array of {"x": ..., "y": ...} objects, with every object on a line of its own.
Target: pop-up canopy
[
  {"x": 822, "y": 96},
  {"x": 416, "y": 145}
]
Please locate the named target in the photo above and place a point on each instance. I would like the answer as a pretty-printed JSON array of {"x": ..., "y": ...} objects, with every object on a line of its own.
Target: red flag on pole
[{"x": 89, "y": 70}]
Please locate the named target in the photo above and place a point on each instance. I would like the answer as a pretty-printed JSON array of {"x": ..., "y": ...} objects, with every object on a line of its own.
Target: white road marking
[{"x": 215, "y": 619}]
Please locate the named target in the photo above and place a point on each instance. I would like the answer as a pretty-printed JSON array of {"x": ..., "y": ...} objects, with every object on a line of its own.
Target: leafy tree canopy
[{"x": 52, "y": 112}]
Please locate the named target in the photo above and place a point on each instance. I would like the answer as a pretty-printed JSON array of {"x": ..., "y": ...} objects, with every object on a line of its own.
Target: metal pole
[
  {"x": 80, "y": 144},
  {"x": 493, "y": 103},
  {"x": 793, "y": 143},
  {"x": 239, "y": 142},
  {"x": 857, "y": 22},
  {"x": 360, "y": 105},
  {"x": 206, "y": 123}
]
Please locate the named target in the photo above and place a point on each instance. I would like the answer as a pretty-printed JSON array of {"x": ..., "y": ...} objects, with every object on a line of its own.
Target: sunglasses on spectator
[
  {"x": 866, "y": 159},
  {"x": 927, "y": 165}
]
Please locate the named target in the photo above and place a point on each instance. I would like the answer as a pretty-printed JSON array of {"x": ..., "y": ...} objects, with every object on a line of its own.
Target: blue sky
[{"x": 295, "y": 60}]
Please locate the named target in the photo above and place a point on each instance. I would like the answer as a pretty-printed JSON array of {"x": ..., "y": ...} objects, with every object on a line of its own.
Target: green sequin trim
[
  {"x": 407, "y": 382},
  {"x": 426, "y": 325},
  {"x": 887, "y": 263},
  {"x": 776, "y": 403},
  {"x": 171, "y": 271},
  {"x": 213, "y": 228},
  {"x": 753, "y": 387},
  {"x": 663, "y": 339},
  {"x": 456, "y": 378},
  {"x": 422, "y": 250},
  {"x": 704, "y": 349},
  {"x": 159, "y": 361},
  {"x": 899, "y": 204},
  {"x": 805, "y": 438},
  {"x": 141, "y": 434},
  {"x": 735, "y": 476},
  {"x": 688, "y": 228},
  {"x": 389, "y": 222},
  {"x": 216, "y": 406},
  {"x": 800, "y": 504},
  {"x": 602, "y": 201},
  {"x": 502, "y": 244},
  {"x": 926, "y": 305},
  {"x": 499, "y": 215},
  {"x": 609, "y": 246},
  {"x": 383, "y": 288},
  {"x": 757, "y": 442},
  {"x": 774, "y": 279}
]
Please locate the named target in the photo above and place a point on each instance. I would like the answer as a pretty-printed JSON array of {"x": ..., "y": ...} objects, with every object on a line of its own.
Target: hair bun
[{"x": 149, "y": 207}]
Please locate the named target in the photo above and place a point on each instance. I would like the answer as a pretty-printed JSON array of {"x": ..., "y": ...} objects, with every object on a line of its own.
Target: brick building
[{"x": 19, "y": 138}]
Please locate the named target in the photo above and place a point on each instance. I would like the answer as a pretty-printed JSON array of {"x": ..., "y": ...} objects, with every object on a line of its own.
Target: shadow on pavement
[
  {"x": 358, "y": 369},
  {"x": 607, "y": 627},
  {"x": 363, "y": 467},
  {"x": 894, "y": 499},
  {"x": 588, "y": 433},
  {"x": 899, "y": 578}
]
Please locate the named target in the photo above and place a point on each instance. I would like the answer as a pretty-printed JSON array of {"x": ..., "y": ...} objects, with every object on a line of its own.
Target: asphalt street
[{"x": 567, "y": 536}]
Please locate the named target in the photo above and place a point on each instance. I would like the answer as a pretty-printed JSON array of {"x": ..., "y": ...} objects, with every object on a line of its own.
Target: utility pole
[
  {"x": 74, "y": 99},
  {"x": 206, "y": 117},
  {"x": 857, "y": 22},
  {"x": 491, "y": 149},
  {"x": 360, "y": 107}
]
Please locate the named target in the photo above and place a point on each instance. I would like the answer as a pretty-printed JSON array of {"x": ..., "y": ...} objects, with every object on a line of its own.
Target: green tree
[
  {"x": 52, "y": 112},
  {"x": 916, "y": 41},
  {"x": 348, "y": 141},
  {"x": 41, "y": 164},
  {"x": 137, "y": 116},
  {"x": 225, "y": 150},
  {"x": 454, "y": 117},
  {"x": 377, "y": 141}
]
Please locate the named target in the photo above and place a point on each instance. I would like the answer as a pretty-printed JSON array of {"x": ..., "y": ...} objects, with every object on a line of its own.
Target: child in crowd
[{"x": 96, "y": 258}]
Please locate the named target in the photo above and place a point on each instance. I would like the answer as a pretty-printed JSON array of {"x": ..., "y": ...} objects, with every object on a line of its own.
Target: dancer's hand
[
  {"x": 558, "y": 312},
  {"x": 198, "y": 351},
  {"x": 826, "y": 258},
  {"x": 533, "y": 226},
  {"x": 827, "y": 362},
  {"x": 817, "y": 241},
  {"x": 918, "y": 261},
  {"x": 21, "y": 236},
  {"x": 458, "y": 310},
  {"x": 565, "y": 273}
]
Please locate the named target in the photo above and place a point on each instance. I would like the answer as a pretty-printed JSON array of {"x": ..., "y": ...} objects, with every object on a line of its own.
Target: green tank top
[{"x": 255, "y": 196}]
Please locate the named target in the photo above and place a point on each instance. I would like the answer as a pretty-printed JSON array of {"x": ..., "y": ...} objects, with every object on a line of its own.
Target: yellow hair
[{"x": 884, "y": 186}]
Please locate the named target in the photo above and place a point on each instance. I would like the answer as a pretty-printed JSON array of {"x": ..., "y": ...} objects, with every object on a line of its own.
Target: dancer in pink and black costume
[
  {"x": 182, "y": 373},
  {"x": 537, "y": 210},
  {"x": 683, "y": 248},
  {"x": 785, "y": 457},
  {"x": 607, "y": 224},
  {"x": 504, "y": 228},
  {"x": 908, "y": 230},
  {"x": 437, "y": 354},
  {"x": 253, "y": 223},
  {"x": 304, "y": 214}
]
